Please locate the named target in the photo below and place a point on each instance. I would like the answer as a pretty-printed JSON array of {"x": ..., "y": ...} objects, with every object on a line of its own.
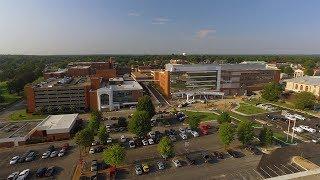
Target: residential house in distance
[{"x": 298, "y": 73}]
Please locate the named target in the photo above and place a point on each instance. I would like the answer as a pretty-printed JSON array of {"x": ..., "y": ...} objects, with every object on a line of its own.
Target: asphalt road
[
  {"x": 158, "y": 95},
  {"x": 65, "y": 165}
]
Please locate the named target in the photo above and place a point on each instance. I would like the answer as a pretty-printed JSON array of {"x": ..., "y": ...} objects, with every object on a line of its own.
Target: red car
[
  {"x": 65, "y": 146},
  {"x": 204, "y": 129}
]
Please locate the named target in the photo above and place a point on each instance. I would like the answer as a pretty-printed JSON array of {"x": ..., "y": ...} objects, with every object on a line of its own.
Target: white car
[
  {"x": 14, "y": 160},
  {"x": 54, "y": 154},
  {"x": 91, "y": 150},
  {"x": 183, "y": 136},
  {"x": 13, "y": 176},
  {"x": 24, "y": 174},
  {"x": 123, "y": 138},
  {"x": 62, "y": 152},
  {"x": 46, "y": 154},
  {"x": 195, "y": 133},
  {"x": 109, "y": 140},
  {"x": 150, "y": 141},
  {"x": 188, "y": 130},
  {"x": 176, "y": 162},
  {"x": 298, "y": 116},
  {"x": 297, "y": 129},
  {"x": 152, "y": 134},
  {"x": 132, "y": 144},
  {"x": 182, "y": 130},
  {"x": 94, "y": 143},
  {"x": 144, "y": 142}
]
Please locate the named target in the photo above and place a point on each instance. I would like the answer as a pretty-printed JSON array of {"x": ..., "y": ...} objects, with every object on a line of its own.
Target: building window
[
  {"x": 307, "y": 88},
  {"x": 301, "y": 87},
  {"x": 296, "y": 86}
]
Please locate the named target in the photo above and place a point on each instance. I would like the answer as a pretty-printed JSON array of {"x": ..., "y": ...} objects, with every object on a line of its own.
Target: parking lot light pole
[{"x": 294, "y": 125}]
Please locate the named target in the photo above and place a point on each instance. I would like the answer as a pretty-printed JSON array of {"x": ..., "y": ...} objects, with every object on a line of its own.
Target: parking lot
[{"x": 64, "y": 166}]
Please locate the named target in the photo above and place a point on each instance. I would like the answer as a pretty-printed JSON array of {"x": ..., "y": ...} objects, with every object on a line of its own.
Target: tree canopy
[
  {"x": 145, "y": 104},
  {"x": 194, "y": 122},
  {"x": 224, "y": 117},
  {"x": 226, "y": 134},
  {"x": 266, "y": 136},
  {"x": 245, "y": 132},
  {"x": 140, "y": 123},
  {"x": 165, "y": 147},
  {"x": 84, "y": 138},
  {"x": 103, "y": 134},
  {"x": 304, "y": 100},
  {"x": 271, "y": 91},
  {"x": 114, "y": 155}
]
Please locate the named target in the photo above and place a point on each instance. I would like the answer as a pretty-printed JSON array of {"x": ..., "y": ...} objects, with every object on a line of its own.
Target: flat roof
[
  {"x": 192, "y": 67},
  {"x": 310, "y": 80},
  {"x": 127, "y": 85},
  {"x": 248, "y": 66},
  {"x": 58, "y": 82},
  {"x": 58, "y": 123}
]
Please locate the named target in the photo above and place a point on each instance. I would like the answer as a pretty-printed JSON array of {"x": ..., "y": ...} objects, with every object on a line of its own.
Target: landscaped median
[
  {"x": 204, "y": 116},
  {"x": 249, "y": 109},
  {"x": 21, "y": 115}
]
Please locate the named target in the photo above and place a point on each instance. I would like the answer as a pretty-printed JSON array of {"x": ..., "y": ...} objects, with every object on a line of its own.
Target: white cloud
[
  {"x": 134, "y": 13},
  {"x": 204, "y": 33},
  {"x": 160, "y": 20}
]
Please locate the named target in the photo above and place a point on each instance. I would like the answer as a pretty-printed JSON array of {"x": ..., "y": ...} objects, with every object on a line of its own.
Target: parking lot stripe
[
  {"x": 258, "y": 174},
  {"x": 265, "y": 172},
  {"x": 284, "y": 173},
  {"x": 294, "y": 167},
  {"x": 273, "y": 170},
  {"x": 287, "y": 168}
]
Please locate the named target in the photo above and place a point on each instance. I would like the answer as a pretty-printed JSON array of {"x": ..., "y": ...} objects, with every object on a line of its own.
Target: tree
[
  {"x": 271, "y": 91},
  {"x": 84, "y": 138},
  {"x": 140, "y": 123},
  {"x": 224, "y": 117},
  {"x": 266, "y": 136},
  {"x": 97, "y": 115},
  {"x": 103, "y": 134},
  {"x": 304, "y": 100},
  {"x": 193, "y": 122},
  {"x": 288, "y": 70},
  {"x": 308, "y": 71},
  {"x": 93, "y": 125},
  {"x": 1, "y": 97},
  {"x": 145, "y": 104},
  {"x": 226, "y": 134},
  {"x": 114, "y": 155},
  {"x": 245, "y": 132},
  {"x": 165, "y": 147}
]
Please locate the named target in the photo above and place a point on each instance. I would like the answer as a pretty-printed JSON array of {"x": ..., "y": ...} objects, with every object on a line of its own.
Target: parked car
[
  {"x": 145, "y": 167},
  {"x": 188, "y": 130},
  {"x": 206, "y": 157},
  {"x": 23, "y": 157},
  {"x": 190, "y": 160},
  {"x": 41, "y": 171},
  {"x": 183, "y": 136},
  {"x": 218, "y": 155},
  {"x": 253, "y": 150},
  {"x": 99, "y": 149},
  {"x": 24, "y": 174},
  {"x": 132, "y": 144},
  {"x": 194, "y": 133},
  {"x": 173, "y": 138},
  {"x": 65, "y": 146},
  {"x": 46, "y": 154},
  {"x": 138, "y": 169},
  {"x": 234, "y": 153},
  {"x": 123, "y": 139},
  {"x": 95, "y": 142},
  {"x": 176, "y": 162},
  {"x": 109, "y": 140},
  {"x": 13, "y": 176},
  {"x": 14, "y": 160},
  {"x": 144, "y": 142},
  {"x": 204, "y": 129},
  {"x": 152, "y": 134},
  {"x": 61, "y": 152},
  {"x": 50, "y": 171},
  {"x": 30, "y": 156},
  {"x": 94, "y": 166},
  {"x": 92, "y": 150},
  {"x": 160, "y": 165},
  {"x": 54, "y": 154},
  {"x": 150, "y": 141},
  {"x": 182, "y": 130},
  {"x": 51, "y": 148}
]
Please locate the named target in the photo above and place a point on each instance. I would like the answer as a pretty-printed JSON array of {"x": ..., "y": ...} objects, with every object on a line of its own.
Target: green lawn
[
  {"x": 249, "y": 109},
  {"x": 21, "y": 115},
  {"x": 243, "y": 118},
  {"x": 8, "y": 98},
  {"x": 204, "y": 116},
  {"x": 283, "y": 137}
]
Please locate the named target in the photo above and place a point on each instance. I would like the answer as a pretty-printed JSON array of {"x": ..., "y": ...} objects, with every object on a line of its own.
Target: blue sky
[{"x": 159, "y": 26}]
